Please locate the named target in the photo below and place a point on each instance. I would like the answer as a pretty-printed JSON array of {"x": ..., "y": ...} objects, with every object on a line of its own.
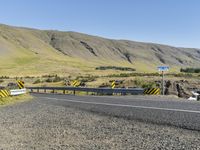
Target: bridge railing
[{"x": 96, "y": 91}]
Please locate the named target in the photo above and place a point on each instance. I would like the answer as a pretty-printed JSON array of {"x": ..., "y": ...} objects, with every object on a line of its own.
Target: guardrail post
[
  {"x": 45, "y": 90},
  {"x": 74, "y": 92},
  {"x": 198, "y": 98},
  {"x": 63, "y": 91},
  {"x": 38, "y": 90}
]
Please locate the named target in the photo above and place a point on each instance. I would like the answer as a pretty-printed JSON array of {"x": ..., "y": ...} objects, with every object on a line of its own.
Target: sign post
[
  {"x": 163, "y": 86},
  {"x": 163, "y": 69}
]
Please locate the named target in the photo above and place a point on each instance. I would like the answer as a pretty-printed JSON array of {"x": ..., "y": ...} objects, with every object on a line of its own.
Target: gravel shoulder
[{"x": 35, "y": 125}]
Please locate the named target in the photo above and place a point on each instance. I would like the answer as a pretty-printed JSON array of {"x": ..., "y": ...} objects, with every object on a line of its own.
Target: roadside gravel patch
[{"x": 35, "y": 125}]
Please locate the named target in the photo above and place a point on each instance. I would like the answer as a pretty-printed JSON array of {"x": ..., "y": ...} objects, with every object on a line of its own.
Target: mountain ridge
[
  {"x": 25, "y": 47},
  {"x": 121, "y": 39}
]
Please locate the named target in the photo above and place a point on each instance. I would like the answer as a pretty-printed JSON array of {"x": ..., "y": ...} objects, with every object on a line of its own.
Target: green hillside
[{"x": 26, "y": 51}]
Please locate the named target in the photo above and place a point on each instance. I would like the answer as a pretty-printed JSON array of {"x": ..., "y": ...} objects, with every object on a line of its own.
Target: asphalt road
[{"x": 179, "y": 113}]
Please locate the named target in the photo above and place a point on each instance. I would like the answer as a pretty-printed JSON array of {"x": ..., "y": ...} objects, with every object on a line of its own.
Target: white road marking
[{"x": 121, "y": 105}]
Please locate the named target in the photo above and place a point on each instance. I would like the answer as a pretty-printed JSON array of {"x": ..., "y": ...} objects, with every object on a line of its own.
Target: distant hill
[{"x": 25, "y": 51}]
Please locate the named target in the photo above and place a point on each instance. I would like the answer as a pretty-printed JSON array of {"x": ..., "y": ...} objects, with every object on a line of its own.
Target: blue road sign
[{"x": 163, "y": 68}]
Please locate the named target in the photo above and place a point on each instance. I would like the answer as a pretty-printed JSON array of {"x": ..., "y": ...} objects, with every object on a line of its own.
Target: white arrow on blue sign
[{"x": 163, "y": 68}]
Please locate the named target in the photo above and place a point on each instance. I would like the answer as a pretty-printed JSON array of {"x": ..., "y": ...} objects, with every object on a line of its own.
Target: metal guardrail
[{"x": 98, "y": 91}]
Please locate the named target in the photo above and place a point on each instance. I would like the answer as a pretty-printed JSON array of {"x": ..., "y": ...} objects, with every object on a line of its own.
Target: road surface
[
  {"x": 179, "y": 113},
  {"x": 63, "y": 122}
]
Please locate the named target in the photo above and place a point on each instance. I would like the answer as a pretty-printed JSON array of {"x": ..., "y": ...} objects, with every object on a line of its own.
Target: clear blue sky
[{"x": 173, "y": 22}]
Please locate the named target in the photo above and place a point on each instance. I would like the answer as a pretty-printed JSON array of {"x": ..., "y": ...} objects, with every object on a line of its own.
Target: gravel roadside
[{"x": 34, "y": 125}]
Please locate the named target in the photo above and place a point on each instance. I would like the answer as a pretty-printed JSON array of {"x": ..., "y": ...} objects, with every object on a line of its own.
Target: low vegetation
[
  {"x": 88, "y": 78},
  {"x": 185, "y": 75},
  {"x": 144, "y": 84},
  {"x": 115, "y": 68},
  {"x": 133, "y": 74},
  {"x": 54, "y": 79},
  {"x": 190, "y": 70},
  {"x": 37, "y": 81},
  {"x": 4, "y": 77},
  {"x": 14, "y": 99},
  {"x": 49, "y": 80},
  {"x": 29, "y": 77}
]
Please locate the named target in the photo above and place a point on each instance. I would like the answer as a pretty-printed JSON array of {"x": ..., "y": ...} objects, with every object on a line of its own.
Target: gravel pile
[{"x": 33, "y": 125}]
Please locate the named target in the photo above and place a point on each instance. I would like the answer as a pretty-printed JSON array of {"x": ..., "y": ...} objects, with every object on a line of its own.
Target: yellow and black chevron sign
[
  {"x": 4, "y": 93},
  {"x": 20, "y": 84},
  {"x": 152, "y": 91},
  {"x": 113, "y": 85},
  {"x": 75, "y": 83}
]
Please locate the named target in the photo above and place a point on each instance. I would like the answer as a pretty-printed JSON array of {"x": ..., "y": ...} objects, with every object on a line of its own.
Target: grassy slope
[
  {"x": 33, "y": 52},
  {"x": 15, "y": 99}
]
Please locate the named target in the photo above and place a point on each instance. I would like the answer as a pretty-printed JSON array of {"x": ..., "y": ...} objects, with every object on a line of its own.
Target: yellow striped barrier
[
  {"x": 76, "y": 83},
  {"x": 152, "y": 91},
  {"x": 20, "y": 84},
  {"x": 113, "y": 85},
  {"x": 4, "y": 93},
  {"x": 7, "y": 93}
]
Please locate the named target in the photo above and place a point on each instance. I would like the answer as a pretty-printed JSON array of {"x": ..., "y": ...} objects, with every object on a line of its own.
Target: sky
[{"x": 171, "y": 22}]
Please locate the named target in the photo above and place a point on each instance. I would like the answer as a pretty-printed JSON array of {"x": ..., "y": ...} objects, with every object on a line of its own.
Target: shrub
[
  {"x": 30, "y": 77},
  {"x": 54, "y": 79},
  {"x": 57, "y": 79},
  {"x": 144, "y": 84},
  {"x": 37, "y": 81},
  {"x": 49, "y": 76},
  {"x": 4, "y": 77},
  {"x": 49, "y": 80},
  {"x": 115, "y": 68},
  {"x": 86, "y": 78},
  {"x": 190, "y": 70},
  {"x": 133, "y": 74},
  {"x": 183, "y": 75},
  {"x": 149, "y": 85}
]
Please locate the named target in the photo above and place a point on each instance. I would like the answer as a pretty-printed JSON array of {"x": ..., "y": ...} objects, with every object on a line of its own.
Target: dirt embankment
[{"x": 181, "y": 88}]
